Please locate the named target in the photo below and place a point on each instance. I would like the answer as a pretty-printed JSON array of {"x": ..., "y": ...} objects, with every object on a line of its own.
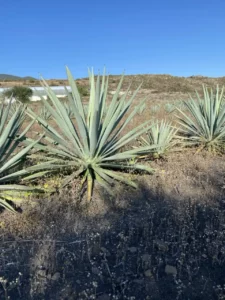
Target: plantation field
[{"x": 164, "y": 239}]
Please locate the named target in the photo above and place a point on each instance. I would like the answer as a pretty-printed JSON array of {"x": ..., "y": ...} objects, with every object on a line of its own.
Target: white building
[{"x": 37, "y": 91}]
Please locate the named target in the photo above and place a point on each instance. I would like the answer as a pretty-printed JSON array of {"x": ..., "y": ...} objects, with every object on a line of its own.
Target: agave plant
[
  {"x": 14, "y": 106},
  {"x": 104, "y": 112},
  {"x": 163, "y": 135},
  {"x": 169, "y": 107},
  {"x": 204, "y": 123},
  {"x": 10, "y": 157},
  {"x": 92, "y": 145},
  {"x": 69, "y": 110},
  {"x": 180, "y": 104},
  {"x": 142, "y": 108},
  {"x": 155, "y": 109},
  {"x": 44, "y": 113}
]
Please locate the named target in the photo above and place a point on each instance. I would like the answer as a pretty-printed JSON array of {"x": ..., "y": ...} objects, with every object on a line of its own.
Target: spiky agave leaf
[
  {"x": 68, "y": 109},
  {"x": 142, "y": 108},
  {"x": 14, "y": 106},
  {"x": 204, "y": 123},
  {"x": 10, "y": 157},
  {"x": 162, "y": 134},
  {"x": 94, "y": 142}
]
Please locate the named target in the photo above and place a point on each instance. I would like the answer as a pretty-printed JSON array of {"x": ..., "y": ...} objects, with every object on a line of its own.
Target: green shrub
[
  {"x": 20, "y": 93},
  {"x": 32, "y": 81},
  {"x": 83, "y": 90}
]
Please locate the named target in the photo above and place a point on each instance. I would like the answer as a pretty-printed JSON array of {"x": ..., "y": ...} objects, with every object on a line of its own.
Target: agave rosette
[
  {"x": 204, "y": 123},
  {"x": 93, "y": 143},
  {"x": 163, "y": 135},
  {"x": 11, "y": 158}
]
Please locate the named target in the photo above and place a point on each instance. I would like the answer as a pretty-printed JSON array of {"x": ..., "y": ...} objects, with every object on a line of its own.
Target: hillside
[
  {"x": 154, "y": 83},
  {"x": 9, "y": 77}
]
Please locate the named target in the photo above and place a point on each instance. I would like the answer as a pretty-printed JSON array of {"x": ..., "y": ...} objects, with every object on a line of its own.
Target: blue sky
[{"x": 177, "y": 37}]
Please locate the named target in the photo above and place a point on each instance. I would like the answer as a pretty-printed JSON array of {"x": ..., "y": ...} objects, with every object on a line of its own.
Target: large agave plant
[
  {"x": 93, "y": 144},
  {"x": 162, "y": 134},
  {"x": 204, "y": 123},
  {"x": 10, "y": 157}
]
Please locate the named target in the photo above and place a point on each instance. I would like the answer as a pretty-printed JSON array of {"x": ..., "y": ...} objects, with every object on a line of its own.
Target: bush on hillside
[
  {"x": 83, "y": 90},
  {"x": 20, "y": 93}
]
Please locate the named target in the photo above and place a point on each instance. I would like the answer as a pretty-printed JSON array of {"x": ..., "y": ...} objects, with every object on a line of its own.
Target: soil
[{"x": 162, "y": 241}]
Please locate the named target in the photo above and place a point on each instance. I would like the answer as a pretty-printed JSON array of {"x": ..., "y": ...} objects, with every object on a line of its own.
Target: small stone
[
  {"x": 132, "y": 249},
  {"x": 148, "y": 273},
  {"x": 171, "y": 270},
  {"x": 56, "y": 276}
]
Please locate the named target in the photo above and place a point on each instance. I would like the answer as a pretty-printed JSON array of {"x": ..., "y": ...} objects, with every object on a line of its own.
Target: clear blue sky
[{"x": 178, "y": 37}]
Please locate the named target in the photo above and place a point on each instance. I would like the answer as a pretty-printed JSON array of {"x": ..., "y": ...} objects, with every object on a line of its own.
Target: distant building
[{"x": 37, "y": 91}]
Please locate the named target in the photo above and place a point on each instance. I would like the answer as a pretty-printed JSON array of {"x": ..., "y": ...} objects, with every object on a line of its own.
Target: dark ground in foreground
[{"x": 164, "y": 241}]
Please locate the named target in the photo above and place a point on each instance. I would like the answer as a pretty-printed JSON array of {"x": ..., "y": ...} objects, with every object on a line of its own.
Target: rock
[
  {"x": 171, "y": 270},
  {"x": 132, "y": 249},
  {"x": 120, "y": 93},
  {"x": 56, "y": 276},
  {"x": 148, "y": 273}
]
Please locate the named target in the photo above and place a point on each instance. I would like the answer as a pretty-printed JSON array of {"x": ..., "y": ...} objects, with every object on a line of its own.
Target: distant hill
[
  {"x": 154, "y": 83},
  {"x": 15, "y": 78}
]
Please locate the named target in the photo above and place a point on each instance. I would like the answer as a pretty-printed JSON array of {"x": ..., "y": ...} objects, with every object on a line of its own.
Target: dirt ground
[{"x": 165, "y": 240}]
